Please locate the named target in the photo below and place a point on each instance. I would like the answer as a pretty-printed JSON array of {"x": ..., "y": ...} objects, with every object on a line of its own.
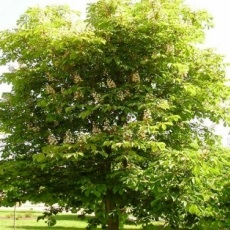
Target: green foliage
[
  {"x": 185, "y": 188},
  {"x": 107, "y": 114},
  {"x": 48, "y": 216}
]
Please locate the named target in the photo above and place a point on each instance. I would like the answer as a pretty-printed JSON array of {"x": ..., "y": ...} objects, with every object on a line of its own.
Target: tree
[{"x": 97, "y": 106}]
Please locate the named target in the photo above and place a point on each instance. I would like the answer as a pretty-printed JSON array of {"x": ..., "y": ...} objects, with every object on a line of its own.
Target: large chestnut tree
[{"x": 108, "y": 114}]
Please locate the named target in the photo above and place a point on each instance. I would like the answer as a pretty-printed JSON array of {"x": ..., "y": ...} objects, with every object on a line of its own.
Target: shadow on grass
[
  {"x": 44, "y": 228},
  {"x": 69, "y": 217},
  {"x": 79, "y": 228}
]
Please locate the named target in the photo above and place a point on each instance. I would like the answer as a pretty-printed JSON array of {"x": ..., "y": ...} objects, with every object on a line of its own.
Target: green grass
[{"x": 27, "y": 220}]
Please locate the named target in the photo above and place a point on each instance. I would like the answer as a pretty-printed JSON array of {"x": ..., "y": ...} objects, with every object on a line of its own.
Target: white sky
[{"x": 218, "y": 38}]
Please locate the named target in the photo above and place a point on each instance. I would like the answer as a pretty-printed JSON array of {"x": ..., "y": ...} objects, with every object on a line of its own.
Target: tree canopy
[{"x": 107, "y": 114}]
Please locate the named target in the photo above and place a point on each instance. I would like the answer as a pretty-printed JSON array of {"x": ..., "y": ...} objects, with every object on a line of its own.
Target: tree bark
[{"x": 111, "y": 215}]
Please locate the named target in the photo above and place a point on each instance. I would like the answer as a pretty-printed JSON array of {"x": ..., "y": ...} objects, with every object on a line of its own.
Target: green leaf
[
  {"x": 193, "y": 209},
  {"x": 40, "y": 157},
  {"x": 85, "y": 114}
]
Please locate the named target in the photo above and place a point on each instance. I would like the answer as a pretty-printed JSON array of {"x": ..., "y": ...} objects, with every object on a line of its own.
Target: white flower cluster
[
  {"x": 142, "y": 134},
  {"x": 127, "y": 93},
  {"x": 127, "y": 135},
  {"x": 170, "y": 49},
  {"x": 135, "y": 77},
  {"x": 78, "y": 95},
  {"x": 33, "y": 128},
  {"x": 123, "y": 94},
  {"x": 77, "y": 79},
  {"x": 147, "y": 115},
  {"x": 82, "y": 136},
  {"x": 50, "y": 89},
  {"x": 148, "y": 97},
  {"x": 68, "y": 139},
  {"x": 95, "y": 129},
  {"x": 97, "y": 97},
  {"x": 110, "y": 83},
  {"x": 52, "y": 140},
  {"x": 106, "y": 125}
]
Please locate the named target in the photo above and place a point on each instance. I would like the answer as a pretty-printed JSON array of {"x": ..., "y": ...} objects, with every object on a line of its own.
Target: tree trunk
[
  {"x": 14, "y": 224},
  {"x": 111, "y": 215}
]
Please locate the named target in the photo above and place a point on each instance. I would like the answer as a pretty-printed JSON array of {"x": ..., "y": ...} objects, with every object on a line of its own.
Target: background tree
[{"x": 102, "y": 110}]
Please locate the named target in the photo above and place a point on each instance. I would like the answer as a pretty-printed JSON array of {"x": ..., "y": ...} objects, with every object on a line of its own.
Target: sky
[{"x": 217, "y": 38}]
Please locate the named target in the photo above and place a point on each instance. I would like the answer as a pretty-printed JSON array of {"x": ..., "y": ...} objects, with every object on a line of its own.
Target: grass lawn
[{"x": 27, "y": 220}]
